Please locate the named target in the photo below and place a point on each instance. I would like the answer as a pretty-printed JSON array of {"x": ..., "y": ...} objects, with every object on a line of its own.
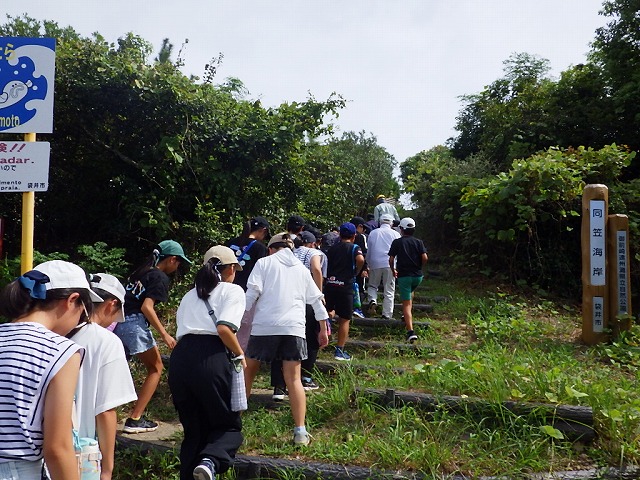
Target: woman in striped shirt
[{"x": 39, "y": 369}]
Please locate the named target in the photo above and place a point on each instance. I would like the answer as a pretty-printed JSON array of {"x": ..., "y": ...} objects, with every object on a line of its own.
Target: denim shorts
[
  {"x": 268, "y": 348},
  {"x": 135, "y": 334},
  {"x": 406, "y": 286},
  {"x": 20, "y": 469}
]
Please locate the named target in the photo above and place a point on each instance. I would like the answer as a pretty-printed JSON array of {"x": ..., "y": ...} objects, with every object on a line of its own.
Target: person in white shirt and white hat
[
  {"x": 105, "y": 380},
  {"x": 380, "y": 275}
]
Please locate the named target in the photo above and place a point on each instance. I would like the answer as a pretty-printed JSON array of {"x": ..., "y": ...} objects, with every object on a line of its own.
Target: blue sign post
[
  {"x": 27, "y": 69},
  {"x": 27, "y": 78}
]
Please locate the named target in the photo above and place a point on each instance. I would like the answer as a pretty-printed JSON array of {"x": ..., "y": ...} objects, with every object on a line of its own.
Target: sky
[{"x": 401, "y": 65}]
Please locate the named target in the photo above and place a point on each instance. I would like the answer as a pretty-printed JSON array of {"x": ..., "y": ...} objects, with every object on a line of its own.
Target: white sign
[
  {"x": 24, "y": 166},
  {"x": 27, "y": 69},
  {"x": 597, "y": 242},
  {"x": 598, "y": 314},
  {"x": 621, "y": 272}
]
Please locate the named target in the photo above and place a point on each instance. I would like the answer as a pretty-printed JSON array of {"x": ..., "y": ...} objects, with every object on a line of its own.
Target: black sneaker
[
  {"x": 279, "y": 394},
  {"x": 411, "y": 336},
  {"x": 205, "y": 470},
  {"x": 139, "y": 426}
]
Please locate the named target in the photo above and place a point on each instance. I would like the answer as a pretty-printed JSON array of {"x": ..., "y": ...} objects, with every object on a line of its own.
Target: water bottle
[{"x": 89, "y": 458}]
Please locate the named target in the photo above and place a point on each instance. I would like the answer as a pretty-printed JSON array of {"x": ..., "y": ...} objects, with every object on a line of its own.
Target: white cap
[
  {"x": 407, "y": 222},
  {"x": 112, "y": 285},
  {"x": 63, "y": 274},
  {"x": 386, "y": 218}
]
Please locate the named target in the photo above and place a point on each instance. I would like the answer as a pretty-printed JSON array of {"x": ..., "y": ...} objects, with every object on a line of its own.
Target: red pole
[{"x": 1, "y": 236}]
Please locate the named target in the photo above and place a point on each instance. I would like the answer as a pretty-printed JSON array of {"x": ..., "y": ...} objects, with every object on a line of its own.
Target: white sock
[{"x": 301, "y": 430}]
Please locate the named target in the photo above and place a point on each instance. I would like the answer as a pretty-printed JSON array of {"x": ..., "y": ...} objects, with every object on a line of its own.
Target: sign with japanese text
[
  {"x": 24, "y": 166},
  {"x": 27, "y": 69},
  {"x": 598, "y": 314},
  {"x": 622, "y": 272},
  {"x": 597, "y": 242}
]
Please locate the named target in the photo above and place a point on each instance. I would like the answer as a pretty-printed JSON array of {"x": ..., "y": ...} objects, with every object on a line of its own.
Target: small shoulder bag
[{"x": 238, "y": 391}]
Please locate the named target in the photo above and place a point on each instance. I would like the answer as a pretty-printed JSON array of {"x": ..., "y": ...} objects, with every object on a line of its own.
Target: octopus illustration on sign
[
  {"x": 13, "y": 92},
  {"x": 26, "y": 85}
]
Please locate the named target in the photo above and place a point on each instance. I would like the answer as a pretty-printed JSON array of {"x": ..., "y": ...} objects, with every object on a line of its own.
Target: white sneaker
[{"x": 301, "y": 438}]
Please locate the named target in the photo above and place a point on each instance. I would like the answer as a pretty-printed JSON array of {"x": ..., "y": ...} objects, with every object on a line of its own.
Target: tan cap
[
  {"x": 224, "y": 254},
  {"x": 281, "y": 237}
]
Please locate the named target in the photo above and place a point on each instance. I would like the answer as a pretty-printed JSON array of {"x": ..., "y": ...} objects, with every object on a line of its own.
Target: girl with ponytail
[
  {"x": 147, "y": 286},
  {"x": 201, "y": 367}
]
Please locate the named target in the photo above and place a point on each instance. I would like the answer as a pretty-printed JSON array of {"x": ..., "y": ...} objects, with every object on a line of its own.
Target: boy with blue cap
[{"x": 345, "y": 259}]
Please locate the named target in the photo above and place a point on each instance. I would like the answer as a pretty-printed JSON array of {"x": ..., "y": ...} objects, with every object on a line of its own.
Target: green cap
[{"x": 171, "y": 247}]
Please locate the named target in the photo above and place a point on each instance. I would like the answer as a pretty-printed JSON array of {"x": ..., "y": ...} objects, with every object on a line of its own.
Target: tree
[
  {"x": 164, "y": 55},
  {"x": 580, "y": 109},
  {"x": 508, "y": 119},
  {"x": 139, "y": 150},
  {"x": 350, "y": 171},
  {"x": 616, "y": 50},
  {"x": 435, "y": 179}
]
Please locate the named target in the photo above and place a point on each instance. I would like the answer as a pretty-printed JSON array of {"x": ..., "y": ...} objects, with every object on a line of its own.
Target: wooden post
[
  {"x": 619, "y": 275},
  {"x": 28, "y": 222},
  {"x": 595, "y": 205}
]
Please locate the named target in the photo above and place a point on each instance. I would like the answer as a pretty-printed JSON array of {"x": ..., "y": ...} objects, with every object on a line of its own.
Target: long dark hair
[
  {"x": 208, "y": 277},
  {"x": 16, "y": 301},
  {"x": 150, "y": 263}
]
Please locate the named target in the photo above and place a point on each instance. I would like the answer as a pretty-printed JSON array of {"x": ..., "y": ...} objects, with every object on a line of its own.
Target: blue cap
[{"x": 347, "y": 228}]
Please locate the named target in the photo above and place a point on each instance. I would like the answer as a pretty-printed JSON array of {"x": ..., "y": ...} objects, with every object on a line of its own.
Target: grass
[{"x": 489, "y": 343}]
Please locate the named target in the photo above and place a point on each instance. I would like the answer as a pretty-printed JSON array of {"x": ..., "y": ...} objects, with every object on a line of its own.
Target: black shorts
[
  {"x": 340, "y": 299},
  {"x": 268, "y": 348}
]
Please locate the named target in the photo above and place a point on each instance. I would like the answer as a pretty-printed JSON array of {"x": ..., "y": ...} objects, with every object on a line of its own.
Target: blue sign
[{"x": 27, "y": 69}]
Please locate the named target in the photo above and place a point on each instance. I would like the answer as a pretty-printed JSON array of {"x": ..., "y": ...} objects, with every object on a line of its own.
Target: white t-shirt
[
  {"x": 380, "y": 240},
  {"x": 226, "y": 299},
  {"x": 281, "y": 287},
  {"x": 105, "y": 380}
]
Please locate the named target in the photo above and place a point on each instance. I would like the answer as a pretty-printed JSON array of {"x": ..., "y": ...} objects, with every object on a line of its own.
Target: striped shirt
[
  {"x": 30, "y": 356},
  {"x": 305, "y": 254}
]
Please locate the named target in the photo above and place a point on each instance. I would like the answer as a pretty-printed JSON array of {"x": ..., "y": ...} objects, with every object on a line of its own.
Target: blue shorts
[
  {"x": 268, "y": 348},
  {"x": 135, "y": 334},
  {"x": 18, "y": 469},
  {"x": 407, "y": 285}
]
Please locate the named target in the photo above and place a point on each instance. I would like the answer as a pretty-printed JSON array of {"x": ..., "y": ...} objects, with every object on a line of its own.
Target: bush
[{"x": 99, "y": 258}]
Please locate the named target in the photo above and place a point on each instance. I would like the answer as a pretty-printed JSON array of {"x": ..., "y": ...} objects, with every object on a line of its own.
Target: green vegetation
[
  {"x": 490, "y": 344},
  {"x": 152, "y": 153}
]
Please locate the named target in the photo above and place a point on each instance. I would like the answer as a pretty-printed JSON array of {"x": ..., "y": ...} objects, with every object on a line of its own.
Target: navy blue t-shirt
[
  {"x": 247, "y": 259},
  {"x": 341, "y": 264}
]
